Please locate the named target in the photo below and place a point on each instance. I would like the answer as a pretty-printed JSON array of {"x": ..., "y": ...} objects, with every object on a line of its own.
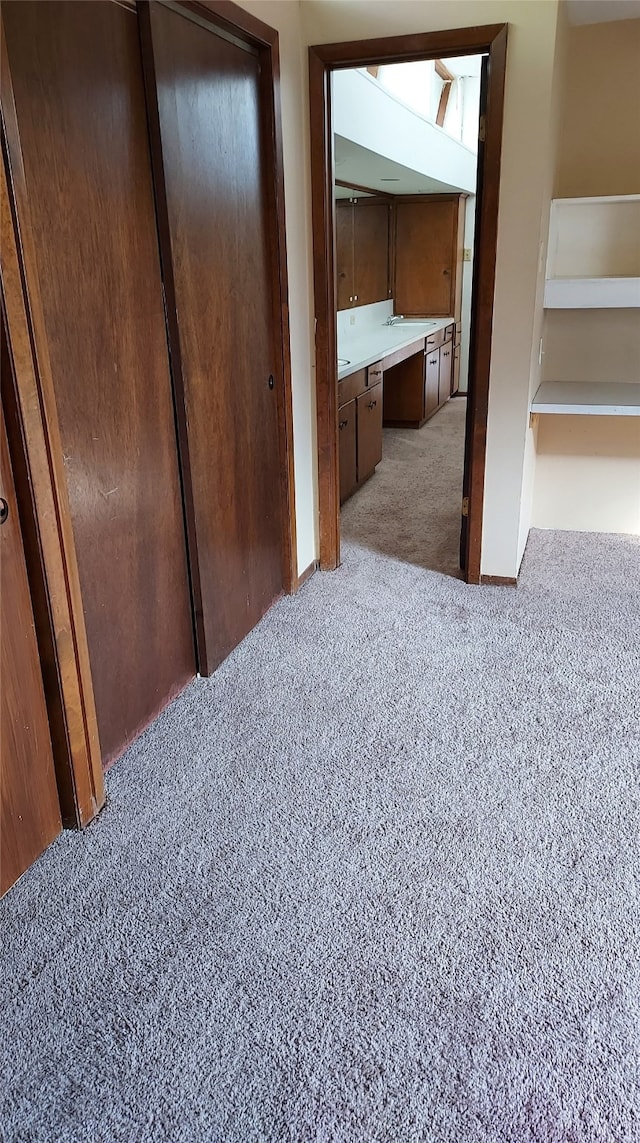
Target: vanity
[{"x": 396, "y": 374}]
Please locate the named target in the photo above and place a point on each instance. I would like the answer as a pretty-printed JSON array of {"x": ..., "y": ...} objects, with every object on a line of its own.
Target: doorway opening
[{"x": 422, "y": 368}]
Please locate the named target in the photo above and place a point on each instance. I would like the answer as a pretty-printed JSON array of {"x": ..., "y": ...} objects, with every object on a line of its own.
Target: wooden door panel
[
  {"x": 444, "y": 379},
  {"x": 347, "y": 449},
  {"x": 426, "y": 238},
  {"x": 344, "y": 254},
  {"x": 369, "y": 431},
  {"x": 214, "y": 177},
  {"x": 29, "y": 807},
  {"x": 371, "y": 252},
  {"x": 82, "y": 119},
  {"x": 431, "y": 383}
]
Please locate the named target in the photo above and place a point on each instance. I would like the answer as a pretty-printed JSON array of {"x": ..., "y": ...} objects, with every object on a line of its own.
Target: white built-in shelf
[
  {"x": 593, "y": 259},
  {"x": 591, "y": 293},
  {"x": 588, "y": 398}
]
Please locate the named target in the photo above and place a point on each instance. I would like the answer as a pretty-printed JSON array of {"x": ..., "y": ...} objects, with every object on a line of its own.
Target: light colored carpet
[
  {"x": 376, "y": 881},
  {"x": 410, "y": 508}
]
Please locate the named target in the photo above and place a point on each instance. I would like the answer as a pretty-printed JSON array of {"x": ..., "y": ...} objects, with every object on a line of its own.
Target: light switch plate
[{"x": 466, "y": 257}]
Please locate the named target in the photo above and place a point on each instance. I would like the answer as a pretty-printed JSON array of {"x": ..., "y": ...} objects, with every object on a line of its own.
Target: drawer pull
[
  {"x": 343, "y": 424},
  {"x": 372, "y": 404}
]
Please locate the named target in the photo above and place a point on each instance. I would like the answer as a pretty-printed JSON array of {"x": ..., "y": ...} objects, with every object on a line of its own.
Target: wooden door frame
[
  {"x": 52, "y": 564},
  {"x": 239, "y": 25},
  {"x": 324, "y": 59}
]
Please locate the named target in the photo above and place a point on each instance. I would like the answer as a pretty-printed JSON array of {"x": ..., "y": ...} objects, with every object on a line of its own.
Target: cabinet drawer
[
  {"x": 435, "y": 340},
  {"x": 374, "y": 374},
  {"x": 352, "y": 386},
  {"x": 369, "y": 431},
  {"x": 347, "y": 449}
]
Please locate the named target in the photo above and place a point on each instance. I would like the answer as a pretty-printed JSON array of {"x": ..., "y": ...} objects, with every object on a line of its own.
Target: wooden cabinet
[
  {"x": 362, "y": 251},
  {"x": 347, "y": 449},
  {"x": 369, "y": 410},
  {"x": 416, "y": 387},
  {"x": 359, "y": 427},
  {"x": 429, "y": 236},
  {"x": 431, "y": 383},
  {"x": 446, "y": 372}
]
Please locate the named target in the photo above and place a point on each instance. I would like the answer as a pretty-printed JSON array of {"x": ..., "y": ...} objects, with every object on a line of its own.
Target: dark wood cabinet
[
  {"x": 362, "y": 251},
  {"x": 344, "y": 254},
  {"x": 429, "y": 236},
  {"x": 369, "y": 410},
  {"x": 418, "y": 385},
  {"x": 446, "y": 372},
  {"x": 431, "y": 383},
  {"x": 347, "y": 449},
  {"x": 359, "y": 427}
]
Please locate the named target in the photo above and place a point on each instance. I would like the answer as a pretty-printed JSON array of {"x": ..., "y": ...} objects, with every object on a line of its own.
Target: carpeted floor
[
  {"x": 410, "y": 508},
  {"x": 376, "y": 880}
]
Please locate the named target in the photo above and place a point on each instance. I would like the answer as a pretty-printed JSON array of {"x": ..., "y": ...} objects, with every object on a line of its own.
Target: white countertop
[{"x": 371, "y": 344}]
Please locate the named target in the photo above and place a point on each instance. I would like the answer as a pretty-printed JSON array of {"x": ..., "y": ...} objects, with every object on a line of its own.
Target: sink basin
[{"x": 413, "y": 321}]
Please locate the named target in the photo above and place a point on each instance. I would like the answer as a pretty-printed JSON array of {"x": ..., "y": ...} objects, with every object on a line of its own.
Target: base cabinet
[
  {"x": 369, "y": 409},
  {"x": 359, "y": 428},
  {"x": 417, "y": 387},
  {"x": 347, "y": 449}
]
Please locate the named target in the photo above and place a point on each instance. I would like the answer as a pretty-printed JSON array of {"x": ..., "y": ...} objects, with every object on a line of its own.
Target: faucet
[{"x": 394, "y": 318}]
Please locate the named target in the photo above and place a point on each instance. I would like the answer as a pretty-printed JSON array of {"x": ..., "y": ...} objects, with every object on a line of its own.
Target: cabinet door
[
  {"x": 431, "y": 383},
  {"x": 455, "y": 379},
  {"x": 347, "y": 449},
  {"x": 29, "y": 809},
  {"x": 426, "y": 257},
  {"x": 344, "y": 254},
  {"x": 370, "y": 252},
  {"x": 446, "y": 372},
  {"x": 369, "y": 432}
]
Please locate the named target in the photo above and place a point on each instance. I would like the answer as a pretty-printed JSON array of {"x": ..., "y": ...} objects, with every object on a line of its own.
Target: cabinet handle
[
  {"x": 372, "y": 404},
  {"x": 355, "y": 297},
  {"x": 4, "y": 510},
  {"x": 343, "y": 424}
]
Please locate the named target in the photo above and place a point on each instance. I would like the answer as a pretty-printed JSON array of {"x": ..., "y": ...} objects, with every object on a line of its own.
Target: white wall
[
  {"x": 367, "y": 114},
  {"x": 285, "y": 17},
  {"x": 523, "y": 203},
  {"x": 587, "y": 469}
]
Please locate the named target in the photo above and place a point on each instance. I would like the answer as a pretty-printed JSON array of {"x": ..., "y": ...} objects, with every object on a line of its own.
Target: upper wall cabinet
[
  {"x": 362, "y": 251},
  {"x": 428, "y": 256}
]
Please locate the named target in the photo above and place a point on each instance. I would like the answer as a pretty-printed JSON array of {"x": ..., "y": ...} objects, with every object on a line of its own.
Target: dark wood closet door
[
  {"x": 29, "y": 809},
  {"x": 79, "y": 92},
  {"x": 213, "y": 174}
]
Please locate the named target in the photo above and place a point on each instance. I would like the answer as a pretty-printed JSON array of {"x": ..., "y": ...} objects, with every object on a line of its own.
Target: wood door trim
[
  {"x": 323, "y": 59},
  {"x": 77, "y": 755},
  {"x": 238, "y": 24}
]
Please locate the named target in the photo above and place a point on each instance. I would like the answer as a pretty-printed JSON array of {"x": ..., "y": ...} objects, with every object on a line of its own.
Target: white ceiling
[
  {"x": 602, "y": 11},
  {"x": 356, "y": 164}
]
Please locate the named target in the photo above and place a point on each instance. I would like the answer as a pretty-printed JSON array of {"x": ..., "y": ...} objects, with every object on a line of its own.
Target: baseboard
[
  {"x": 306, "y": 574},
  {"x": 499, "y": 580}
]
